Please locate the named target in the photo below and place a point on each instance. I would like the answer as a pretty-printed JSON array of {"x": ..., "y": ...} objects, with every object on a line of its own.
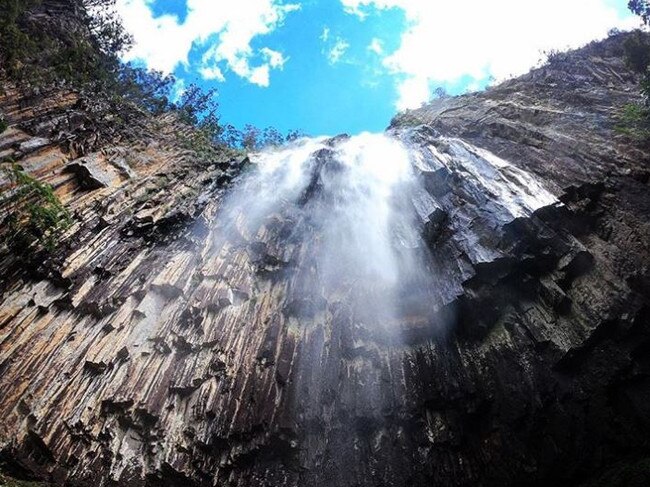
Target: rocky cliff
[{"x": 185, "y": 332}]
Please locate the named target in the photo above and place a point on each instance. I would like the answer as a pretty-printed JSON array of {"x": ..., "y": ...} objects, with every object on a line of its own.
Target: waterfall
[
  {"x": 356, "y": 248},
  {"x": 361, "y": 221}
]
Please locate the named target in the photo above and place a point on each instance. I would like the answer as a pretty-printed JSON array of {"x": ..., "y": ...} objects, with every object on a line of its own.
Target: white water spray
[{"x": 357, "y": 220}]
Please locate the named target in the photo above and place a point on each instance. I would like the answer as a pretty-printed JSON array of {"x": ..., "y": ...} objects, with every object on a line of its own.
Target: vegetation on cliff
[
  {"x": 50, "y": 45},
  {"x": 81, "y": 46},
  {"x": 162, "y": 345},
  {"x": 35, "y": 214},
  {"x": 641, "y": 8},
  {"x": 635, "y": 119}
]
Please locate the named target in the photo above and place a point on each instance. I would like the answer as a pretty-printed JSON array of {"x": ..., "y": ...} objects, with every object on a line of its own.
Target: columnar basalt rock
[{"x": 176, "y": 336}]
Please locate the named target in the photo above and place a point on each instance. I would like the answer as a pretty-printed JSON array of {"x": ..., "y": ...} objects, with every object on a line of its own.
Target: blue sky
[{"x": 333, "y": 66}]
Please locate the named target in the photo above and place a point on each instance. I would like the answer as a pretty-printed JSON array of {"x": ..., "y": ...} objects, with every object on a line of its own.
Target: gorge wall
[{"x": 475, "y": 312}]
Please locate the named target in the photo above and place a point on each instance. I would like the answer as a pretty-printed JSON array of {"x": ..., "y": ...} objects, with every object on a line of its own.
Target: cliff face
[{"x": 187, "y": 331}]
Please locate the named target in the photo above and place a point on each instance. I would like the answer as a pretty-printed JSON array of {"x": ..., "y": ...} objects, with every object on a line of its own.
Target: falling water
[
  {"x": 354, "y": 220},
  {"x": 336, "y": 216},
  {"x": 357, "y": 247}
]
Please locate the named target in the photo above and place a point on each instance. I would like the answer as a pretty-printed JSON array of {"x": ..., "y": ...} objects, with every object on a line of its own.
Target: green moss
[
  {"x": 634, "y": 120},
  {"x": 3, "y": 125}
]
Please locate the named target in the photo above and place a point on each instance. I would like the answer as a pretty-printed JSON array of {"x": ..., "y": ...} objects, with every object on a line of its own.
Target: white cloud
[
  {"x": 413, "y": 91},
  {"x": 225, "y": 29},
  {"x": 376, "y": 46},
  {"x": 260, "y": 76},
  {"x": 334, "y": 47},
  {"x": 336, "y": 52},
  {"x": 275, "y": 59},
  {"x": 447, "y": 39},
  {"x": 212, "y": 72}
]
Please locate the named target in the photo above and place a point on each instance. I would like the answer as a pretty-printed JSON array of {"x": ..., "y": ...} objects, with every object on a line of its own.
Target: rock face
[{"x": 475, "y": 314}]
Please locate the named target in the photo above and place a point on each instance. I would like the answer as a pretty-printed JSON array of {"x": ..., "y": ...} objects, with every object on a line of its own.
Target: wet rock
[{"x": 430, "y": 214}]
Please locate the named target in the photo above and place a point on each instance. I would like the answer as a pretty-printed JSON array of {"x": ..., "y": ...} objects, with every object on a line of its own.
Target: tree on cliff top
[
  {"x": 641, "y": 8},
  {"x": 75, "y": 40},
  {"x": 637, "y": 48},
  {"x": 635, "y": 119}
]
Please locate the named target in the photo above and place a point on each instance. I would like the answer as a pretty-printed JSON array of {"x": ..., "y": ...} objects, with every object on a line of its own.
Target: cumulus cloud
[
  {"x": 259, "y": 76},
  {"x": 446, "y": 40},
  {"x": 224, "y": 29}
]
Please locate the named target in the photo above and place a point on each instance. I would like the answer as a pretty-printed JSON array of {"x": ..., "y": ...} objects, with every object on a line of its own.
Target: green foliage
[
  {"x": 230, "y": 136},
  {"x": 555, "y": 56},
  {"x": 150, "y": 90},
  {"x": 637, "y": 56},
  {"x": 637, "y": 52},
  {"x": 634, "y": 122},
  {"x": 16, "y": 44},
  {"x": 293, "y": 135},
  {"x": 637, "y": 48},
  {"x": 203, "y": 145},
  {"x": 407, "y": 118},
  {"x": 252, "y": 138},
  {"x": 3, "y": 125},
  {"x": 33, "y": 51},
  {"x": 107, "y": 32},
  {"x": 641, "y": 8},
  {"x": 199, "y": 109},
  {"x": 197, "y": 106},
  {"x": 36, "y": 216}
]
